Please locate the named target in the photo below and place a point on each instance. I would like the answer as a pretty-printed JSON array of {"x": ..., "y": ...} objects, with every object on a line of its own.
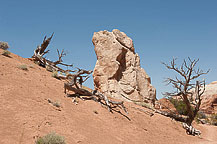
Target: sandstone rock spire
[{"x": 117, "y": 72}]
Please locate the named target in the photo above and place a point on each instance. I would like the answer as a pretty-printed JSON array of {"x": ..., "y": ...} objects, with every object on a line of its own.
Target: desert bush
[
  {"x": 51, "y": 138},
  {"x": 55, "y": 74},
  {"x": 201, "y": 115},
  {"x": 6, "y": 53},
  {"x": 23, "y": 67},
  {"x": 56, "y": 104},
  {"x": 31, "y": 66},
  {"x": 213, "y": 119},
  {"x": 49, "y": 68},
  {"x": 180, "y": 106},
  {"x": 4, "y": 45}
]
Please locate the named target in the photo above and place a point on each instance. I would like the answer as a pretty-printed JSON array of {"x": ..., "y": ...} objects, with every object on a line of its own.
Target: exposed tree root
[
  {"x": 191, "y": 130},
  {"x": 96, "y": 96}
]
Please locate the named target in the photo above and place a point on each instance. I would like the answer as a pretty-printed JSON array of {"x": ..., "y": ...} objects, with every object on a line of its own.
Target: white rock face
[
  {"x": 209, "y": 98},
  {"x": 117, "y": 72},
  {"x": 210, "y": 90}
]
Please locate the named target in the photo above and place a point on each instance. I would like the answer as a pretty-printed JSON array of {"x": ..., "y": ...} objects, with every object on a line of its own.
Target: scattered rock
[{"x": 96, "y": 112}]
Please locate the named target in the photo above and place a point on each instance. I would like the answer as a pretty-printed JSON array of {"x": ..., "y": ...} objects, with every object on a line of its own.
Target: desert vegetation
[
  {"x": 74, "y": 78},
  {"x": 213, "y": 119},
  {"x": 6, "y": 53},
  {"x": 54, "y": 103},
  {"x": 187, "y": 88},
  {"x": 180, "y": 106},
  {"x": 204, "y": 118},
  {"x": 51, "y": 138},
  {"x": 55, "y": 74},
  {"x": 23, "y": 67},
  {"x": 186, "y": 98},
  {"x": 4, "y": 45}
]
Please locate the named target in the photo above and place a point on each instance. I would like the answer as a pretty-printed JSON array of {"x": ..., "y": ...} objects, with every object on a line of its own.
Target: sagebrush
[
  {"x": 23, "y": 67},
  {"x": 213, "y": 119},
  {"x": 6, "y": 53},
  {"x": 55, "y": 74},
  {"x": 51, "y": 138},
  {"x": 4, "y": 45}
]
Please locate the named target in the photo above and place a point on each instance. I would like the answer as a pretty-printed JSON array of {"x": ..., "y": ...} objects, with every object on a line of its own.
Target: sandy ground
[
  {"x": 209, "y": 133},
  {"x": 26, "y": 114}
]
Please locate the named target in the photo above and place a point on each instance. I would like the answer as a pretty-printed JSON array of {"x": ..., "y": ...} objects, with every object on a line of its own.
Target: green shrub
[
  {"x": 213, "y": 119},
  {"x": 31, "y": 66},
  {"x": 6, "y": 53},
  {"x": 4, "y": 45},
  {"x": 201, "y": 115},
  {"x": 180, "y": 106},
  {"x": 49, "y": 68},
  {"x": 23, "y": 67},
  {"x": 51, "y": 138},
  {"x": 55, "y": 74},
  {"x": 56, "y": 104}
]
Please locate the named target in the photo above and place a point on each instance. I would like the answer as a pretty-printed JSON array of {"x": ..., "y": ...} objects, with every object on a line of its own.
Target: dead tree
[
  {"x": 79, "y": 77},
  {"x": 109, "y": 103},
  {"x": 76, "y": 78},
  {"x": 40, "y": 52},
  {"x": 186, "y": 86}
]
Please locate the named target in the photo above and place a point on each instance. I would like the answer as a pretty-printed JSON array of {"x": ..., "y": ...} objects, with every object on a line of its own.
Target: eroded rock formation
[
  {"x": 209, "y": 99},
  {"x": 117, "y": 72}
]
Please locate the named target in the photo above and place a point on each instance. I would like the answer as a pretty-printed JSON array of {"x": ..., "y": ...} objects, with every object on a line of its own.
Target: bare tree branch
[
  {"x": 39, "y": 52},
  {"x": 185, "y": 87}
]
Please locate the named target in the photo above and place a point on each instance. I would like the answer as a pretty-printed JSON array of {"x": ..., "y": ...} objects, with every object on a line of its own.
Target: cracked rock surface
[{"x": 117, "y": 72}]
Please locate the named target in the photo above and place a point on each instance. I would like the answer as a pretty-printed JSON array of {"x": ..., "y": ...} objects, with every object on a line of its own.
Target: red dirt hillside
[{"x": 26, "y": 114}]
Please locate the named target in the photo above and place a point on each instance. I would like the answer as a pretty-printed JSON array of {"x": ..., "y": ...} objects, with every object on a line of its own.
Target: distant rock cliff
[
  {"x": 209, "y": 98},
  {"x": 117, "y": 72}
]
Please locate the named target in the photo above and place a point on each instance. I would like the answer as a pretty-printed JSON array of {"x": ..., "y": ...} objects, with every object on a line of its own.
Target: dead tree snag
[
  {"x": 74, "y": 78},
  {"x": 51, "y": 66},
  {"x": 187, "y": 87},
  {"x": 79, "y": 78}
]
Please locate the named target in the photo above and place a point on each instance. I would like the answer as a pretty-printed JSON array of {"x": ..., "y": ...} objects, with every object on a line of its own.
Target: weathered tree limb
[
  {"x": 167, "y": 114},
  {"x": 40, "y": 51},
  {"x": 184, "y": 85},
  {"x": 109, "y": 102},
  {"x": 191, "y": 130},
  {"x": 79, "y": 74},
  {"x": 78, "y": 78},
  {"x": 80, "y": 91},
  {"x": 144, "y": 111},
  {"x": 96, "y": 96},
  {"x": 51, "y": 66}
]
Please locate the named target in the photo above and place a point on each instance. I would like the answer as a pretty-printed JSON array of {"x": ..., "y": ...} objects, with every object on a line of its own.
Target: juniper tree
[{"x": 187, "y": 86}]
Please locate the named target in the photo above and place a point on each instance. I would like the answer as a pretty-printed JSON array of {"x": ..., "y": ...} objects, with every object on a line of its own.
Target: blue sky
[{"x": 160, "y": 29}]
